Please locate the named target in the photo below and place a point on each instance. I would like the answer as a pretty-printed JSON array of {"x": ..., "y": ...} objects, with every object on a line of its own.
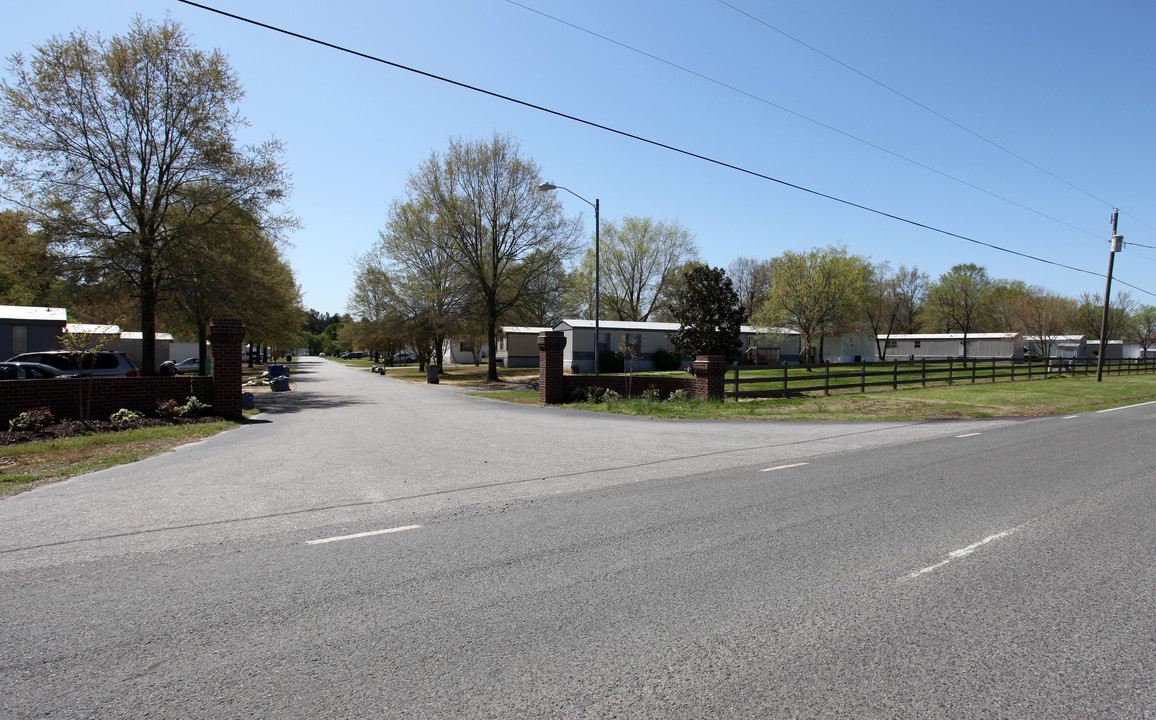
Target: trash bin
[
  {"x": 246, "y": 401},
  {"x": 276, "y": 371},
  {"x": 431, "y": 374},
  {"x": 280, "y": 383}
]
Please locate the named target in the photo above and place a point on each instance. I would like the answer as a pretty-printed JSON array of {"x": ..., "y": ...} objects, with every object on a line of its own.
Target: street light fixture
[{"x": 547, "y": 187}]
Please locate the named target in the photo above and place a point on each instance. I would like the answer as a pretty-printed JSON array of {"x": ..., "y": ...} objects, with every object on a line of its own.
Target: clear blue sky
[{"x": 1066, "y": 85}]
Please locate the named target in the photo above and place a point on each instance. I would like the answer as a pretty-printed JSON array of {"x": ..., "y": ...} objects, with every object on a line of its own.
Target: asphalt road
[{"x": 549, "y": 563}]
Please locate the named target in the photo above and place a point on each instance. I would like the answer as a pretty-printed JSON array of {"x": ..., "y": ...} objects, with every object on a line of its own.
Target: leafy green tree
[
  {"x": 957, "y": 300},
  {"x": 816, "y": 292},
  {"x": 708, "y": 312},
  {"x": 106, "y": 138},
  {"x": 1143, "y": 328},
  {"x": 231, "y": 267},
  {"x": 502, "y": 234},
  {"x": 29, "y": 270},
  {"x": 999, "y": 315}
]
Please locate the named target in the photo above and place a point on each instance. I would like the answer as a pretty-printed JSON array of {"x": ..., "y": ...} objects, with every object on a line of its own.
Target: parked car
[
  {"x": 404, "y": 357},
  {"x": 189, "y": 365},
  {"x": 105, "y": 363},
  {"x": 352, "y": 355},
  {"x": 28, "y": 371}
]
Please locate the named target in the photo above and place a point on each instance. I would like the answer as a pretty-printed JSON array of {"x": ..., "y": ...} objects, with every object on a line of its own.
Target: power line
[
  {"x": 934, "y": 112},
  {"x": 801, "y": 116},
  {"x": 639, "y": 138}
]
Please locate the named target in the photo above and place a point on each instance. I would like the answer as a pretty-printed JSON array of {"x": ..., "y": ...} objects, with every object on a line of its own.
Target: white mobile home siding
[{"x": 950, "y": 345}]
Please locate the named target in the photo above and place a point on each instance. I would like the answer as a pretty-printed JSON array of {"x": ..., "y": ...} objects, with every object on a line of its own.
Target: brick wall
[
  {"x": 105, "y": 395},
  {"x": 102, "y": 395},
  {"x": 556, "y": 387}
]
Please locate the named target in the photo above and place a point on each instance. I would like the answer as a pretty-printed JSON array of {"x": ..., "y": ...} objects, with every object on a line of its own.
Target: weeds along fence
[{"x": 761, "y": 381}]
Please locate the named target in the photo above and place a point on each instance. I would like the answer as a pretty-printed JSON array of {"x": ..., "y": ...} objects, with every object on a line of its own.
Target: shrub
[
  {"x": 652, "y": 394},
  {"x": 168, "y": 409},
  {"x": 610, "y": 396},
  {"x": 193, "y": 407},
  {"x": 667, "y": 360},
  {"x": 125, "y": 416},
  {"x": 611, "y": 361},
  {"x": 579, "y": 395},
  {"x": 32, "y": 420},
  {"x": 679, "y": 396}
]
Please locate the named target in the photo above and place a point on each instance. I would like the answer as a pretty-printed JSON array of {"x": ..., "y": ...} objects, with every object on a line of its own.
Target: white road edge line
[
  {"x": 1071, "y": 417},
  {"x": 322, "y": 541},
  {"x": 784, "y": 467},
  {"x": 968, "y": 435},
  {"x": 964, "y": 552},
  {"x": 1127, "y": 407}
]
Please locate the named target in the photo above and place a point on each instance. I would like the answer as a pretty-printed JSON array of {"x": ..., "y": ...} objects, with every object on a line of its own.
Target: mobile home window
[
  {"x": 20, "y": 339},
  {"x": 633, "y": 342},
  {"x": 917, "y": 344},
  {"x": 891, "y": 344},
  {"x": 603, "y": 342}
]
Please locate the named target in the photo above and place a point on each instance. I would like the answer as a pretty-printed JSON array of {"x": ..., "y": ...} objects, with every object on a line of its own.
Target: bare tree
[
  {"x": 640, "y": 258},
  {"x": 503, "y": 235},
  {"x": 1043, "y": 318}
]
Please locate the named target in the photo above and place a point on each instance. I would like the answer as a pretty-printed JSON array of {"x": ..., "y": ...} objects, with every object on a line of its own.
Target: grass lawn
[
  {"x": 29, "y": 465},
  {"x": 1003, "y": 399}
]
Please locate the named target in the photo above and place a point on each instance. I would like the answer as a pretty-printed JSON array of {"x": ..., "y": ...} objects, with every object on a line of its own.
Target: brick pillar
[
  {"x": 709, "y": 375},
  {"x": 225, "y": 337},
  {"x": 550, "y": 381}
]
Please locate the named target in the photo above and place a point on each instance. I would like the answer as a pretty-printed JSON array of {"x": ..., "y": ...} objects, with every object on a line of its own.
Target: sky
[{"x": 1019, "y": 125}]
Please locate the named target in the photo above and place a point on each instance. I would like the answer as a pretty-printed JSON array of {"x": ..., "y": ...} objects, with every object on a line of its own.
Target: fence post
[
  {"x": 736, "y": 383},
  {"x": 863, "y": 377},
  {"x": 827, "y": 379},
  {"x": 895, "y": 375},
  {"x": 993, "y": 369},
  {"x": 923, "y": 373},
  {"x": 710, "y": 376},
  {"x": 950, "y": 370},
  {"x": 974, "y": 366},
  {"x": 784, "y": 379}
]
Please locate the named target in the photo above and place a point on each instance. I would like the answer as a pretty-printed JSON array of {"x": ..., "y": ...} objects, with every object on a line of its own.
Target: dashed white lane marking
[
  {"x": 322, "y": 541},
  {"x": 1127, "y": 407},
  {"x": 964, "y": 552},
  {"x": 968, "y": 435},
  {"x": 783, "y": 467},
  {"x": 1071, "y": 417}
]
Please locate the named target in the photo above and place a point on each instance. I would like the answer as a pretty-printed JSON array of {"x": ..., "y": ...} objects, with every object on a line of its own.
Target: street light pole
[{"x": 547, "y": 187}]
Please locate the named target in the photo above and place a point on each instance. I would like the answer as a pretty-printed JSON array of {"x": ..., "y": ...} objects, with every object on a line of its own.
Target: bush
[
  {"x": 610, "y": 396},
  {"x": 32, "y": 420},
  {"x": 125, "y": 416},
  {"x": 611, "y": 361},
  {"x": 679, "y": 396},
  {"x": 168, "y": 409},
  {"x": 667, "y": 360},
  {"x": 579, "y": 395},
  {"x": 193, "y": 407},
  {"x": 652, "y": 394}
]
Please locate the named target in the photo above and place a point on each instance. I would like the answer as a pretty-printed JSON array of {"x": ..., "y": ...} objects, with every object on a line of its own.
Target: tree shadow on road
[{"x": 290, "y": 402}]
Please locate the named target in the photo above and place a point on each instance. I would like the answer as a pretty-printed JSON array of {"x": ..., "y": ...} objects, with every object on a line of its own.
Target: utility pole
[{"x": 1117, "y": 246}]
